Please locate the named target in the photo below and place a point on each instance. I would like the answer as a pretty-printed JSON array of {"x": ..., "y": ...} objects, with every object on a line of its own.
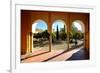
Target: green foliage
[
  {"x": 63, "y": 35},
  {"x": 53, "y": 36},
  {"x": 82, "y": 35},
  {"x": 37, "y": 35},
  {"x": 43, "y": 34},
  {"x": 76, "y": 33},
  {"x": 57, "y": 33},
  {"x": 70, "y": 34},
  {"x": 74, "y": 29}
]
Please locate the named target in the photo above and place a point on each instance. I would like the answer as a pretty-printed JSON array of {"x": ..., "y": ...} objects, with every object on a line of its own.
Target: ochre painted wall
[{"x": 29, "y": 17}]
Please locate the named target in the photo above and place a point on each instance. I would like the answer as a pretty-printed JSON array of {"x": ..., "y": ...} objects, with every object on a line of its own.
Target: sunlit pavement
[
  {"x": 64, "y": 56},
  {"x": 51, "y": 56},
  {"x": 34, "y": 53},
  {"x": 42, "y": 57}
]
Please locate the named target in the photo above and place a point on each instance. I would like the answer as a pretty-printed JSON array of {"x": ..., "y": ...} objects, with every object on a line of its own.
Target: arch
[
  {"x": 39, "y": 32},
  {"x": 60, "y": 22},
  {"x": 77, "y": 36},
  {"x": 80, "y": 23},
  {"x": 36, "y": 23},
  {"x": 59, "y": 35}
]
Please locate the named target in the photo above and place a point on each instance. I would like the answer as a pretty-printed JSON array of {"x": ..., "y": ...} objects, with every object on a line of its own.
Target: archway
[
  {"x": 77, "y": 35},
  {"x": 40, "y": 37},
  {"x": 59, "y": 35}
]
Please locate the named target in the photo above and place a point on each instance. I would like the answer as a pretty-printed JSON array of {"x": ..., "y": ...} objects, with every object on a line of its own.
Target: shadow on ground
[{"x": 80, "y": 55}]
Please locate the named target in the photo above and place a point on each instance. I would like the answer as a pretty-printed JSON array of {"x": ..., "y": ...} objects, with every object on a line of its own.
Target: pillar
[
  {"x": 50, "y": 31},
  {"x": 68, "y": 30},
  {"x": 29, "y": 42}
]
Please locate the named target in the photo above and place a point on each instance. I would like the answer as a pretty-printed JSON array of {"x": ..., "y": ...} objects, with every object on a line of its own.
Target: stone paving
[
  {"x": 42, "y": 57},
  {"x": 56, "y": 49},
  {"x": 45, "y": 56}
]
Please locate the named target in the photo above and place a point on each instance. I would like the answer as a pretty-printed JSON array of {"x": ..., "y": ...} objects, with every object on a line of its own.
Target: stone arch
[
  {"x": 82, "y": 26},
  {"x": 61, "y": 21},
  {"x": 61, "y": 25},
  {"x": 39, "y": 22},
  {"x": 81, "y": 23}
]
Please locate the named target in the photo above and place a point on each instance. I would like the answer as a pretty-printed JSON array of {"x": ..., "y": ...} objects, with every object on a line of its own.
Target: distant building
[{"x": 38, "y": 30}]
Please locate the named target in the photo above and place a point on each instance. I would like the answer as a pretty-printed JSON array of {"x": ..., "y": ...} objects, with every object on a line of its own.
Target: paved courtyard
[
  {"x": 58, "y": 53},
  {"x": 54, "y": 55}
]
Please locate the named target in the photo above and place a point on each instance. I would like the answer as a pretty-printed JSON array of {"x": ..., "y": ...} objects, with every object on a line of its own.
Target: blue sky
[
  {"x": 60, "y": 25},
  {"x": 42, "y": 25}
]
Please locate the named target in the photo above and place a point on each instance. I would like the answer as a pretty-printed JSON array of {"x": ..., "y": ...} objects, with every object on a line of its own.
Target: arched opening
[
  {"x": 40, "y": 37},
  {"x": 59, "y": 35},
  {"x": 77, "y": 35}
]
